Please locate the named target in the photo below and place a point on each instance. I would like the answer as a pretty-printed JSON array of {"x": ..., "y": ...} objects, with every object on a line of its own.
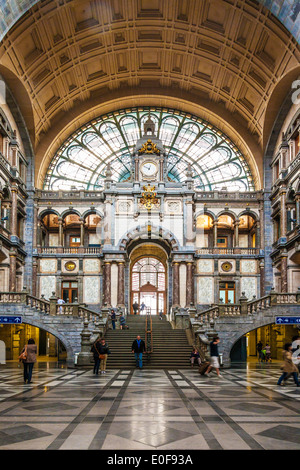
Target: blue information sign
[
  {"x": 287, "y": 320},
  {"x": 11, "y": 319}
]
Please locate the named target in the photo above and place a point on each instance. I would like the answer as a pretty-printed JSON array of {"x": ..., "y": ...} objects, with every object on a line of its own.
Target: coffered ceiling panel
[{"x": 72, "y": 56}]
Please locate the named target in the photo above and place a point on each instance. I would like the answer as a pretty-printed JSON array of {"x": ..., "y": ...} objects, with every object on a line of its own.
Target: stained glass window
[{"x": 81, "y": 161}]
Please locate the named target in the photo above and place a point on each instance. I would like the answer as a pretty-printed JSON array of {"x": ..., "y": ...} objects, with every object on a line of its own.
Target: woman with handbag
[
  {"x": 101, "y": 351},
  {"x": 28, "y": 357}
]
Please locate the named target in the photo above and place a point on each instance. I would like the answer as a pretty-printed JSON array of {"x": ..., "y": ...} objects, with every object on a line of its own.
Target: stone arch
[
  {"x": 227, "y": 212},
  {"x": 92, "y": 211},
  {"x": 46, "y": 212},
  {"x": 250, "y": 213},
  {"x": 140, "y": 233},
  {"x": 205, "y": 212},
  {"x": 49, "y": 329},
  {"x": 67, "y": 212},
  {"x": 230, "y": 340}
]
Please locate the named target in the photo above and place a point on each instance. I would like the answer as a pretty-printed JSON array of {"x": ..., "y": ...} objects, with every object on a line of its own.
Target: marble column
[
  {"x": 297, "y": 199},
  {"x": 236, "y": 234},
  {"x": 189, "y": 285},
  {"x": 283, "y": 273},
  {"x": 14, "y": 211},
  {"x": 176, "y": 299},
  {"x": 215, "y": 229},
  {"x": 60, "y": 232},
  {"x": 283, "y": 214},
  {"x": 121, "y": 279},
  {"x": 81, "y": 221},
  {"x": 107, "y": 283},
  {"x": 12, "y": 270}
]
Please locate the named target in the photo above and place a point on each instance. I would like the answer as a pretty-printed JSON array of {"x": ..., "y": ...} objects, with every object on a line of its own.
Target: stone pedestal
[{"x": 85, "y": 357}]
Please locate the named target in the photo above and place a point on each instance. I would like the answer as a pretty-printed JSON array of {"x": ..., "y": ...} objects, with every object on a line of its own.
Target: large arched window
[{"x": 216, "y": 162}]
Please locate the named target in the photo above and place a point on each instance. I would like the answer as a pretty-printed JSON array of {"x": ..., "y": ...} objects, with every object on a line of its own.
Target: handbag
[
  {"x": 23, "y": 355},
  {"x": 101, "y": 356}
]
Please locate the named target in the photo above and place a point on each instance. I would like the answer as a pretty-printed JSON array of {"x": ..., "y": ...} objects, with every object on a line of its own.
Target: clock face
[
  {"x": 149, "y": 169},
  {"x": 70, "y": 266}
]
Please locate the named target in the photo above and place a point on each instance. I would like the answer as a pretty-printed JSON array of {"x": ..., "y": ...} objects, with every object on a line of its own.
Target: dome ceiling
[{"x": 73, "y": 57}]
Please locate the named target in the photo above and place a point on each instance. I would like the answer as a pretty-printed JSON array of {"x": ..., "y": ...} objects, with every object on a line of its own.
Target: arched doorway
[{"x": 148, "y": 279}]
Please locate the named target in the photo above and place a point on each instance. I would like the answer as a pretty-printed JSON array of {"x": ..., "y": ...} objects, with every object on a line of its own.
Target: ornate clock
[
  {"x": 70, "y": 265},
  {"x": 226, "y": 266},
  {"x": 149, "y": 169}
]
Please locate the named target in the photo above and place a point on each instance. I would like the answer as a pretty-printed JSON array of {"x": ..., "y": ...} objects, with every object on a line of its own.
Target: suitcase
[{"x": 203, "y": 367}]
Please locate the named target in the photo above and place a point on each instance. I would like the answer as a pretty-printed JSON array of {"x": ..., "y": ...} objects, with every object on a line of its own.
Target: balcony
[
  {"x": 80, "y": 250},
  {"x": 228, "y": 251}
]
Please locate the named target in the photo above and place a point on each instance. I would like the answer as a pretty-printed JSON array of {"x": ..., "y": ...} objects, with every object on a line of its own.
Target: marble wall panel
[
  {"x": 249, "y": 286},
  {"x": 182, "y": 284},
  {"x": 91, "y": 265},
  {"x": 205, "y": 292},
  {"x": 53, "y": 239},
  {"x": 205, "y": 266},
  {"x": 114, "y": 284},
  {"x": 91, "y": 289},
  {"x": 47, "y": 286},
  {"x": 248, "y": 266},
  {"x": 48, "y": 265}
]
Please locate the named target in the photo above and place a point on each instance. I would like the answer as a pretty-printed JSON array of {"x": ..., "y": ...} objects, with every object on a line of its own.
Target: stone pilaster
[
  {"x": 107, "y": 283},
  {"x": 121, "y": 279},
  {"x": 176, "y": 298}
]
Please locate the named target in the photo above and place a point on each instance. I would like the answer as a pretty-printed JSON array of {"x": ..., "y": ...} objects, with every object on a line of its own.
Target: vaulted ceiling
[{"x": 230, "y": 62}]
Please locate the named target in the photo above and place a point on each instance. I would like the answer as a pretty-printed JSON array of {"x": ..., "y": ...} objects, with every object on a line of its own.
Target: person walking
[
  {"x": 138, "y": 348},
  {"x": 143, "y": 306},
  {"x": 259, "y": 347},
  {"x": 30, "y": 351},
  {"x": 161, "y": 314},
  {"x": 195, "y": 356},
  {"x": 101, "y": 348},
  {"x": 288, "y": 367},
  {"x": 214, "y": 357}
]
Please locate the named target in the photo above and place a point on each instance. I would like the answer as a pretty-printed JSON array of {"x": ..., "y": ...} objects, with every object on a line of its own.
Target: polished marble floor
[{"x": 66, "y": 409}]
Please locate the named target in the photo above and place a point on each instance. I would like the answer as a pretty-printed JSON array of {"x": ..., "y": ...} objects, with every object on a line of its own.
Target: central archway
[{"x": 148, "y": 279}]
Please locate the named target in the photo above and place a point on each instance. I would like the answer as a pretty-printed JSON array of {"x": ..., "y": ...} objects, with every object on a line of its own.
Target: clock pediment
[{"x": 149, "y": 147}]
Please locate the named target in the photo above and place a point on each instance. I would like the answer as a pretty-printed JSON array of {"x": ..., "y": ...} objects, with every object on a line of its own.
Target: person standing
[
  {"x": 138, "y": 348},
  {"x": 288, "y": 367},
  {"x": 101, "y": 349},
  {"x": 214, "y": 357},
  {"x": 60, "y": 302},
  {"x": 113, "y": 319},
  {"x": 31, "y": 351},
  {"x": 268, "y": 353},
  {"x": 95, "y": 350},
  {"x": 135, "y": 308}
]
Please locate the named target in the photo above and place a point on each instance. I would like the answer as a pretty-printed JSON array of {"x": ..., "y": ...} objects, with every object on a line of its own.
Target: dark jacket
[
  {"x": 98, "y": 348},
  {"x": 136, "y": 348}
]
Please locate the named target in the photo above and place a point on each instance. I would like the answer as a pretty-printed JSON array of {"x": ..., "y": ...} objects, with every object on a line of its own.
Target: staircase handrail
[
  {"x": 148, "y": 331},
  {"x": 44, "y": 305},
  {"x": 251, "y": 306}
]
